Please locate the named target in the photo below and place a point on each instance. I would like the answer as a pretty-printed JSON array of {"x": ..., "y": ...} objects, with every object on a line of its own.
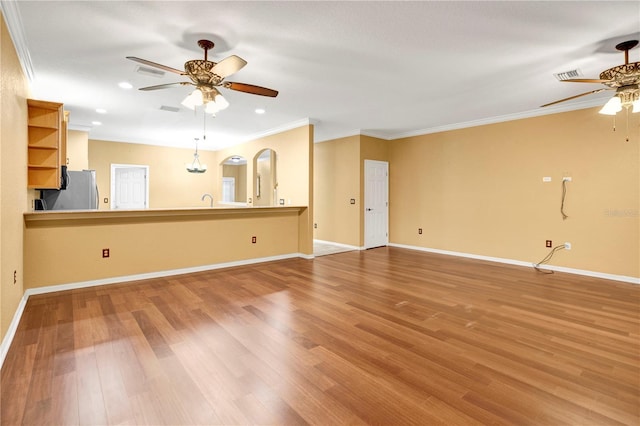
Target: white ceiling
[{"x": 386, "y": 69}]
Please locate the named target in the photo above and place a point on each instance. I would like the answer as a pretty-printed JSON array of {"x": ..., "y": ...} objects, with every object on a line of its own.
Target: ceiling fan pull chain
[
  {"x": 204, "y": 125},
  {"x": 627, "y": 138}
]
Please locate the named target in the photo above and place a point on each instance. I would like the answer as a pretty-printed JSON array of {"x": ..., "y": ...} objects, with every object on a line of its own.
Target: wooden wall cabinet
[{"x": 46, "y": 144}]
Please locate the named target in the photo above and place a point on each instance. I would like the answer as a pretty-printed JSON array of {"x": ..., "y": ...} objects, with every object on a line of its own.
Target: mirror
[
  {"x": 234, "y": 180},
  {"x": 265, "y": 191}
]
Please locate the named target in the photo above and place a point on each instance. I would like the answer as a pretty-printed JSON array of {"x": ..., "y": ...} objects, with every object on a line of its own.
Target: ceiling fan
[
  {"x": 207, "y": 76},
  {"x": 624, "y": 79}
]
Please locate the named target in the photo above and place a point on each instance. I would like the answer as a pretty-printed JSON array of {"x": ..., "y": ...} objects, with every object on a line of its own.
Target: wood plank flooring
[{"x": 386, "y": 336}]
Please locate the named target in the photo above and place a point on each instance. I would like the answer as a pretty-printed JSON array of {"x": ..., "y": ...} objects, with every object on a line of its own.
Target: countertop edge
[{"x": 59, "y": 215}]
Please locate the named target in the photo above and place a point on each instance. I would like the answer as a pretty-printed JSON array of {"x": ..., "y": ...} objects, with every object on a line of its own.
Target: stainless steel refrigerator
[{"x": 81, "y": 193}]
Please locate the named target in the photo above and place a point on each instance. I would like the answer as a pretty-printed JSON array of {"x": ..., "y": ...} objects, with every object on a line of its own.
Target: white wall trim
[
  {"x": 13, "y": 20},
  {"x": 279, "y": 129},
  {"x": 594, "y": 274},
  {"x": 13, "y": 327},
  {"x": 338, "y": 244}
]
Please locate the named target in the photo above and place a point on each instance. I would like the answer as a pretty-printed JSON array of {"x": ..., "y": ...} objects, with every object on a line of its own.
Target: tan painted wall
[
  {"x": 170, "y": 185},
  {"x": 15, "y": 199},
  {"x": 480, "y": 190},
  {"x": 77, "y": 150},
  {"x": 239, "y": 173},
  {"x": 264, "y": 170},
  {"x": 336, "y": 182},
  {"x": 70, "y": 250},
  {"x": 294, "y": 151}
]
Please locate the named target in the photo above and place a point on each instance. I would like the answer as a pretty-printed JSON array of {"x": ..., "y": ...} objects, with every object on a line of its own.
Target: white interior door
[
  {"x": 376, "y": 203},
  {"x": 228, "y": 189},
  {"x": 129, "y": 186}
]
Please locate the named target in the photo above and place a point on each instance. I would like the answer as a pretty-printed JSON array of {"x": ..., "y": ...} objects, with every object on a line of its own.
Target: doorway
[
  {"x": 376, "y": 203},
  {"x": 129, "y": 186}
]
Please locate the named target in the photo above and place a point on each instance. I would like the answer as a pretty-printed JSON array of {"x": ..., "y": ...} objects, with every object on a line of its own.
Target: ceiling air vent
[
  {"x": 150, "y": 71},
  {"x": 568, "y": 75},
  {"x": 169, "y": 108}
]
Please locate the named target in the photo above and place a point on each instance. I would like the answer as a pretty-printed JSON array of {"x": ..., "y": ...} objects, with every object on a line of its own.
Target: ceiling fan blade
[
  {"x": 585, "y": 80},
  {"x": 228, "y": 66},
  {"x": 165, "y": 86},
  {"x": 153, "y": 64},
  {"x": 250, "y": 88},
  {"x": 576, "y": 96}
]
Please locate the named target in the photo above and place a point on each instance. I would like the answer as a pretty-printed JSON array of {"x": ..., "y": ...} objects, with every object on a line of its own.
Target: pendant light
[{"x": 196, "y": 166}]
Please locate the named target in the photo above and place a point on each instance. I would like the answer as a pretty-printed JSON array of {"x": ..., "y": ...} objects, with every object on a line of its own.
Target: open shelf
[{"x": 45, "y": 143}]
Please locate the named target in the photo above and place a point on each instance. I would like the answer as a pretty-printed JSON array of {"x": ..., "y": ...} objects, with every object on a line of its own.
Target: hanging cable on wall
[
  {"x": 547, "y": 258},
  {"x": 564, "y": 195}
]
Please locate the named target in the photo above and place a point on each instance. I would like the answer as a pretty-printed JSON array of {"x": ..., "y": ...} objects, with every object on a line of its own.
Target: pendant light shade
[
  {"x": 612, "y": 107},
  {"x": 195, "y": 166},
  {"x": 193, "y": 100}
]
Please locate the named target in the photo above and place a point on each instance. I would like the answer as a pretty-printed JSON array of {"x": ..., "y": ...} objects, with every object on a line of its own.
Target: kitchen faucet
[{"x": 210, "y": 197}]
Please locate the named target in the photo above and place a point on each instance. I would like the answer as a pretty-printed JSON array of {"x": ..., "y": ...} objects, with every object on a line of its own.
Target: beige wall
[
  {"x": 480, "y": 191},
  {"x": 239, "y": 173},
  {"x": 265, "y": 170},
  {"x": 67, "y": 247},
  {"x": 170, "y": 185},
  {"x": 77, "y": 150},
  {"x": 15, "y": 199},
  {"x": 294, "y": 153},
  {"x": 336, "y": 182}
]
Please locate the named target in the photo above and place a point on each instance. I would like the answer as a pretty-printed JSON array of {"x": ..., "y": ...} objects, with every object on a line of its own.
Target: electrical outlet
[
  {"x": 566, "y": 178},
  {"x": 567, "y": 246},
  {"x": 548, "y": 243},
  {"x": 254, "y": 240},
  {"x": 420, "y": 231},
  {"x": 15, "y": 276},
  {"x": 315, "y": 226},
  {"x": 105, "y": 252}
]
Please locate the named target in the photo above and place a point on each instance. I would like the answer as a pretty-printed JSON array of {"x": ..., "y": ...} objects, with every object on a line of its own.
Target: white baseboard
[
  {"x": 13, "y": 327},
  {"x": 623, "y": 278},
  {"x": 347, "y": 246}
]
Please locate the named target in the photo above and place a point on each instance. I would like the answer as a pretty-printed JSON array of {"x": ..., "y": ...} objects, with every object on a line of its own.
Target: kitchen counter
[
  {"x": 92, "y": 247},
  {"x": 41, "y": 216}
]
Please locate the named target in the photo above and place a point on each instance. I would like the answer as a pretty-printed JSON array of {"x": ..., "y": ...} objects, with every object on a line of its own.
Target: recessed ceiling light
[
  {"x": 125, "y": 85},
  {"x": 96, "y": 123},
  {"x": 260, "y": 110},
  {"x": 101, "y": 111}
]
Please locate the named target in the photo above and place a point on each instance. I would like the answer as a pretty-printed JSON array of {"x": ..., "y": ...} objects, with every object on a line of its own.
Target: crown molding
[
  {"x": 502, "y": 118},
  {"x": 16, "y": 31},
  {"x": 289, "y": 126}
]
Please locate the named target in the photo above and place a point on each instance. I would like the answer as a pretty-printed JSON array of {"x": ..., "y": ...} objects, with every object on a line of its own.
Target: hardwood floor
[{"x": 386, "y": 336}]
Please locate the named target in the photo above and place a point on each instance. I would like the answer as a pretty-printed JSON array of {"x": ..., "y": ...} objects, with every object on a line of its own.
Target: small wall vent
[
  {"x": 150, "y": 71},
  {"x": 169, "y": 108},
  {"x": 566, "y": 75}
]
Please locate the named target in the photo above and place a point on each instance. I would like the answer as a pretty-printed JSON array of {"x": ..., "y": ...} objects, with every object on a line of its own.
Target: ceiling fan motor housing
[
  {"x": 622, "y": 75},
  {"x": 199, "y": 72}
]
